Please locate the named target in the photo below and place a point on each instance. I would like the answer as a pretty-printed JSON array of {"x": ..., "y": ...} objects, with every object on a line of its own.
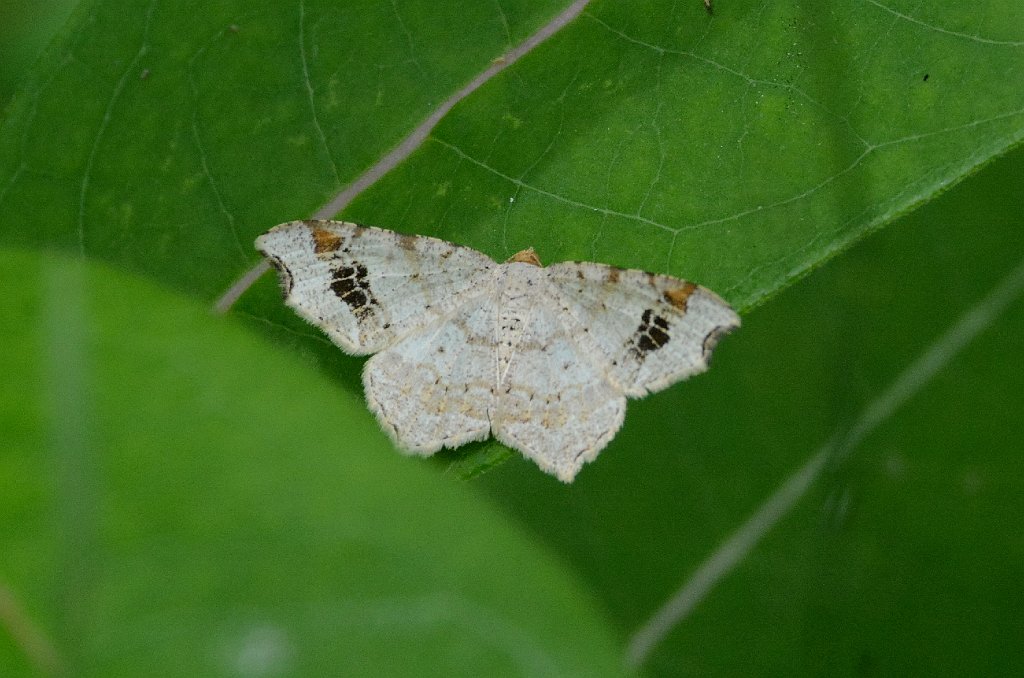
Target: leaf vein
[
  {"x": 549, "y": 194},
  {"x": 310, "y": 93},
  {"x": 946, "y": 31},
  {"x": 105, "y": 123}
]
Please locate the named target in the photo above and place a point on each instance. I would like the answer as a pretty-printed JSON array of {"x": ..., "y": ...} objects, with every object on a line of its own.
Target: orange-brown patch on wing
[
  {"x": 407, "y": 242},
  {"x": 325, "y": 241},
  {"x": 612, "y": 274},
  {"x": 679, "y": 295},
  {"x": 527, "y": 256}
]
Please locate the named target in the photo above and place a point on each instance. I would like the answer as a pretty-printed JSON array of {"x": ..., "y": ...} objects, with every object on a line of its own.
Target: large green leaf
[
  {"x": 25, "y": 26},
  {"x": 181, "y": 499},
  {"x": 906, "y": 556},
  {"x": 738, "y": 150},
  {"x": 165, "y": 138}
]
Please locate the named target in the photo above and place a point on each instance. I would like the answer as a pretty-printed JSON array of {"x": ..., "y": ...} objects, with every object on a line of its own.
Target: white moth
[{"x": 543, "y": 358}]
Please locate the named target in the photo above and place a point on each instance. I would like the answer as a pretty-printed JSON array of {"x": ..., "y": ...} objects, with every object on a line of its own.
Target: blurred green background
[
  {"x": 25, "y": 27},
  {"x": 241, "y": 551}
]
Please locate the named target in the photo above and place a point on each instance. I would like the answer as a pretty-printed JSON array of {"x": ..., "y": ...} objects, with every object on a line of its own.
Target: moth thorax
[{"x": 527, "y": 256}]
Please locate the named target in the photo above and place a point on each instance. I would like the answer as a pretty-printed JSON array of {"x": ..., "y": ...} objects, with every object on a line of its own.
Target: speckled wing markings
[
  {"x": 648, "y": 330},
  {"x": 542, "y": 358},
  {"x": 435, "y": 387},
  {"x": 554, "y": 404},
  {"x": 367, "y": 287}
]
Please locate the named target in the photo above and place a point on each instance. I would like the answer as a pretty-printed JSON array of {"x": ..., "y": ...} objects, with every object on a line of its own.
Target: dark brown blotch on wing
[
  {"x": 351, "y": 285},
  {"x": 652, "y": 334},
  {"x": 325, "y": 242},
  {"x": 679, "y": 296}
]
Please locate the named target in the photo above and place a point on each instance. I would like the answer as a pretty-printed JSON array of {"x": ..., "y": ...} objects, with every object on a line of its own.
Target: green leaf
[
  {"x": 25, "y": 27},
  {"x": 178, "y": 496},
  {"x": 165, "y": 139},
  {"x": 738, "y": 150},
  {"x": 906, "y": 555}
]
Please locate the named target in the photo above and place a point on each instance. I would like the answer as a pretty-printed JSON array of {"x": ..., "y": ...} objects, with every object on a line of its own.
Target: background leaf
[
  {"x": 153, "y": 528},
  {"x": 740, "y": 151},
  {"x": 906, "y": 556},
  {"x": 195, "y": 131},
  {"x": 25, "y": 26}
]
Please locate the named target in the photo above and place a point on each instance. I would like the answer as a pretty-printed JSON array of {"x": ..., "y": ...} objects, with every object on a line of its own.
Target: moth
[{"x": 542, "y": 358}]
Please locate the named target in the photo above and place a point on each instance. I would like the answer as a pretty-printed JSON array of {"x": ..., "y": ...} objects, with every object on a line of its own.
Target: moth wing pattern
[
  {"x": 649, "y": 330},
  {"x": 367, "y": 287},
  {"x": 435, "y": 388},
  {"x": 554, "y": 404},
  {"x": 541, "y": 358}
]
